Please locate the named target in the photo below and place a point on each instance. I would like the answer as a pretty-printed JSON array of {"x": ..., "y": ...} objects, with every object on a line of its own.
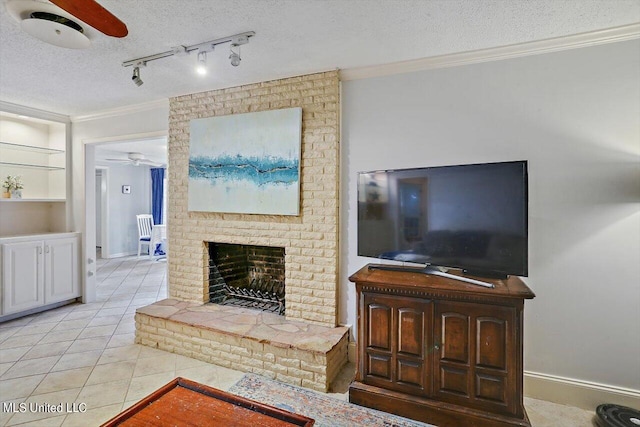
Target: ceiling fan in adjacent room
[
  {"x": 64, "y": 22},
  {"x": 135, "y": 159}
]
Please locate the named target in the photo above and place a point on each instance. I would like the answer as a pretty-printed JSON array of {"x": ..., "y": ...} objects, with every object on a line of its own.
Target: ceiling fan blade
[
  {"x": 90, "y": 12},
  {"x": 150, "y": 163}
]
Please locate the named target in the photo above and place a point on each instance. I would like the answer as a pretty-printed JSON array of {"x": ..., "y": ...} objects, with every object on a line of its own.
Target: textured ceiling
[{"x": 293, "y": 37}]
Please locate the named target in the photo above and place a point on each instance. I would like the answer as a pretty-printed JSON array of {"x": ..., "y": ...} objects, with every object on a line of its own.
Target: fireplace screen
[{"x": 247, "y": 276}]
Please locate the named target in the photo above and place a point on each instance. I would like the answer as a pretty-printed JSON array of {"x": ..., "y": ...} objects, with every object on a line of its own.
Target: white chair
[{"x": 145, "y": 225}]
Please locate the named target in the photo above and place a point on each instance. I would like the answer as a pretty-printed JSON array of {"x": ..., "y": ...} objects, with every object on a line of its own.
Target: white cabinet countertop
[{"x": 37, "y": 236}]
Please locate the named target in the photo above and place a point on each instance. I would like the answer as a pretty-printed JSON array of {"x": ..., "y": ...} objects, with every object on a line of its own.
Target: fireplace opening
[{"x": 247, "y": 276}]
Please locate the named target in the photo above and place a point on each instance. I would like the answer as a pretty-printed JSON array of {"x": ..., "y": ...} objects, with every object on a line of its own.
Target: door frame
[{"x": 89, "y": 242}]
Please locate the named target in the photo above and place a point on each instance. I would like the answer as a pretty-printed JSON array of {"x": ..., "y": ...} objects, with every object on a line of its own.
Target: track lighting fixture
[
  {"x": 136, "y": 76},
  {"x": 201, "y": 68},
  {"x": 202, "y": 48}
]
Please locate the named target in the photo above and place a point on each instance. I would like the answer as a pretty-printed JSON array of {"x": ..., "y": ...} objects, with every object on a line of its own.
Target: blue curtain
[{"x": 157, "y": 189}]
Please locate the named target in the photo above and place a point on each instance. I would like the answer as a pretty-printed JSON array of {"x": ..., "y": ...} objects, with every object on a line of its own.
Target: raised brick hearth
[{"x": 264, "y": 343}]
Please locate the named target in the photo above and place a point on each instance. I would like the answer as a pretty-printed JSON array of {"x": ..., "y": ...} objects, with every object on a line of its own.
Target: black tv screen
[{"x": 472, "y": 217}]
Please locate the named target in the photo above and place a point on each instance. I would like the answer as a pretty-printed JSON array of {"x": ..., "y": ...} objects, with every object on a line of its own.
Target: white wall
[
  {"x": 123, "y": 208},
  {"x": 26, "y": 132},
  {"x": 575, "y": 116},
  {"x": 113, "y": 127}
]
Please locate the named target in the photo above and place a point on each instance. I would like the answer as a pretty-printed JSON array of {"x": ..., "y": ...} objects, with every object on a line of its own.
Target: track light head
[
  {"x": 136, "y": 76},
  {"x": 235, "y": 59},
  {"x": 201, "y": 67}
]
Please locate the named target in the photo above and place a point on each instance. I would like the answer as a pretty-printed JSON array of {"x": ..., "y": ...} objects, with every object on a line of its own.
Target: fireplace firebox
[{"x": 247, "y": 276}]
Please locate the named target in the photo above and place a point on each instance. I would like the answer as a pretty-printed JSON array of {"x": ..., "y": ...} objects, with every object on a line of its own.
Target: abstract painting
[{"x": 246, "y": 163}]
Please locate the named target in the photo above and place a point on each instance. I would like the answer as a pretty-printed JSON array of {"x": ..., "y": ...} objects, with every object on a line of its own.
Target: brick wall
[{"x": 310, "y": 239}]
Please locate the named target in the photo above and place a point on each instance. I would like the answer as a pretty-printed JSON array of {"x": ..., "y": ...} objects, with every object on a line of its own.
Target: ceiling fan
[
  {"x": 54, "y": 21},
  {"x": 135, "y": 159}
]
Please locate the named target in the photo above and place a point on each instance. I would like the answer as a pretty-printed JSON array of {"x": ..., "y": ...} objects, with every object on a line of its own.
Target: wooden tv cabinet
[{"x": 438, "y": 350}]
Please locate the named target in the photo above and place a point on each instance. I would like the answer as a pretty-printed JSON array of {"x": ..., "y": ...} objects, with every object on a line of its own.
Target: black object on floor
[{"x": 610, "y": 415}]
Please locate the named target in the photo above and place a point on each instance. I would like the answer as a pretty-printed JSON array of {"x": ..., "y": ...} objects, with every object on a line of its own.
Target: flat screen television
[{"x": 471, "y": 217}]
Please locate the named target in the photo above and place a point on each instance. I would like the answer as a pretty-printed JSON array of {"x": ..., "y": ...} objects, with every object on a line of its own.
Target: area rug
[{"x": 327, "y": 411}]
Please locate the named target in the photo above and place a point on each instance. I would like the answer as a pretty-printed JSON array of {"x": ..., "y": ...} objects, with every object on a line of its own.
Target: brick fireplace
[
  {"x": 310, "y": 240},
  {"x": 309, "y": 243}
]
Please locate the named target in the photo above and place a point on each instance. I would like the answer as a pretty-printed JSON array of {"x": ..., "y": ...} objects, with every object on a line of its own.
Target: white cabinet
[
  {"x": 37, "y": 272},
  {"x": 22, "y": 276},
  {"x": 61, "y": 270}
]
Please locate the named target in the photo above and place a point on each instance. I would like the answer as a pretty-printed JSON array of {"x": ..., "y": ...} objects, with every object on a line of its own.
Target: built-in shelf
[
  {"x": 23, "y": 147},
  {"x": 37, "y": 150},
  {"x": 32, "y": 200},
  {"x": 33, "y": 166}
]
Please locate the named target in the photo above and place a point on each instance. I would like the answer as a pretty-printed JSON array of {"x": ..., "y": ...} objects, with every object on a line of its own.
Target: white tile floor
[
  {"x": 83, "y": 356},
  {"x": 85, "y": 353}
]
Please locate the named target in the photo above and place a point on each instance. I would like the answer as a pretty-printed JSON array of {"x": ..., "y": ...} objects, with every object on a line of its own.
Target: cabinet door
[
  {"x": 22, "y": 276},
  {"x": 476, "y": 362},
  {"x": 394, "y": 350},
  {"x": 61, "y": 269}
]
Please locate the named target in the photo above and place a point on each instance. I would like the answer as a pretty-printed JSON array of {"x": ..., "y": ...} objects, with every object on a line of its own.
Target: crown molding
[
  {"x": 592, "y": 38},
  {"x": 23, "y": 110},
  {"x": 119, "y": 111}
]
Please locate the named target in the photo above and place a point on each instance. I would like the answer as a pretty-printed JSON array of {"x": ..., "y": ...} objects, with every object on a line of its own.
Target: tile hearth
[{"x": 264, "y": 343}]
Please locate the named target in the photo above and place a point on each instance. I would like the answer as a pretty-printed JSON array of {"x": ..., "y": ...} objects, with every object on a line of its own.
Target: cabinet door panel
[
  {"x": 490, "y": 387},
  {"x": 410, "y": 331},
  {"x": 454, "y": 381},
  {"x": 61, "y": 270},
  {"x": 455, "y": 337},
  {"x": 22, "y": 276},
  {"x": 379, "y": 332},
  {"x": 411, "y": 373},
  {"x": 490, "y": 342},
  {"x": 379, "y": 366}
]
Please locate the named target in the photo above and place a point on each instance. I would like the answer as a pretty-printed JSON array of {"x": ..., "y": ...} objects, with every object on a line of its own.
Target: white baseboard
[
  {"x": 123, "y": 254},
  {"x": 581, "y": 394}
]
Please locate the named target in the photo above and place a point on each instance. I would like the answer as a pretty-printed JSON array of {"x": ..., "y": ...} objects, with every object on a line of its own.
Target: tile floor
[{"x": 83, "y": 356}]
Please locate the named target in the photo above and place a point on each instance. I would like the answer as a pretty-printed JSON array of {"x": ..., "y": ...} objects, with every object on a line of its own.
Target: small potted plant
[
  {"x": 7, "y": 185},
  {"x": 16, "y": 193},
  {"x": 13, "y": 187}
]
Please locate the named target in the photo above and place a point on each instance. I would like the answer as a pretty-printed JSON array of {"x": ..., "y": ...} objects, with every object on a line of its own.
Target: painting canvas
[{"x": 246, "y": 163}]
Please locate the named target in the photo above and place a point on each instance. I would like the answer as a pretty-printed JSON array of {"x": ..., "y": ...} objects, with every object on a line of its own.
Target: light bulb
[{"x": 201, "y": 67}]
